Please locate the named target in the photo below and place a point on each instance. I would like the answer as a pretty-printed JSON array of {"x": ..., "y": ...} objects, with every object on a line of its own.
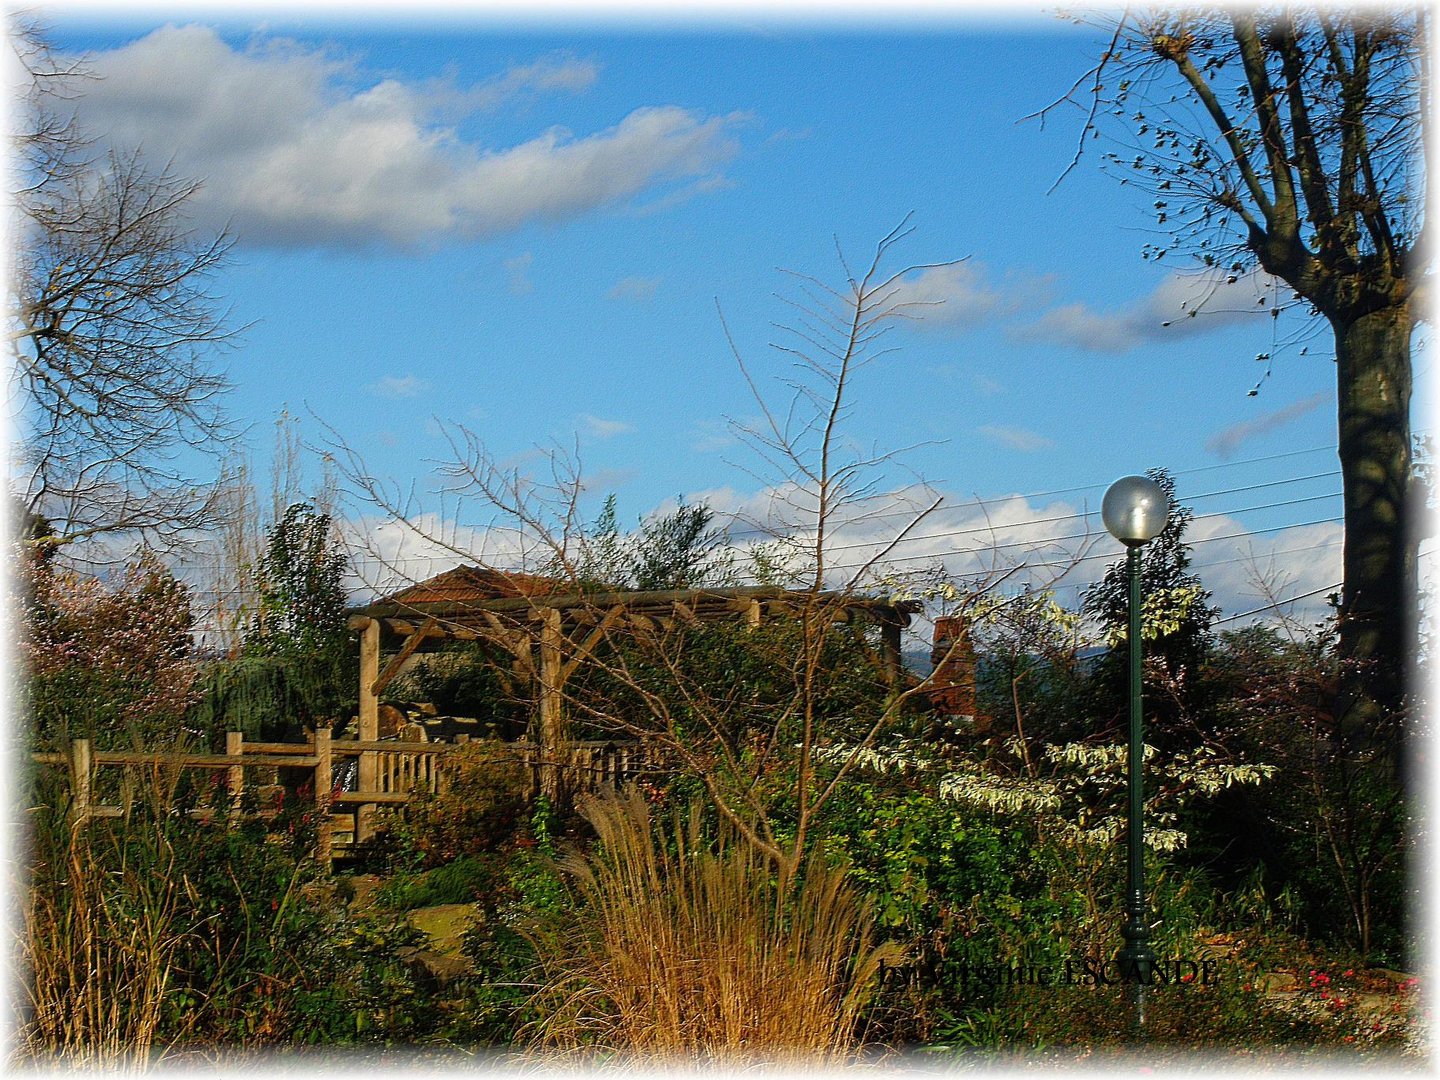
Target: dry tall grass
[
  {"x": 699, "y": 957},
  {"x": 99, "y": 954},
  {"x": 106, "y": 914}
]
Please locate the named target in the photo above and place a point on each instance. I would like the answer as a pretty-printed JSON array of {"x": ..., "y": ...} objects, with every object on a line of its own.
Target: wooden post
[
  {"x": 369, "y": 725},
  {"x": 235, "y": 777},
  {"x": 754, "y": 612},
  {"x": 890, "y": 643},
  {"x": 79, "y": 780},
  {"x": 551, "y": 713},
  {"x": 324, "y": 827}
]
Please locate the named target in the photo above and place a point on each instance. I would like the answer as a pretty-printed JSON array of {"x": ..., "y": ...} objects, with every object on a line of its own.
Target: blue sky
[{"x": 527, "y": 228}]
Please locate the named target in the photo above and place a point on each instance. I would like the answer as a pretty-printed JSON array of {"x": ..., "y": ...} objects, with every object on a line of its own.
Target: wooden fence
[{"x": 345, "y": 818}]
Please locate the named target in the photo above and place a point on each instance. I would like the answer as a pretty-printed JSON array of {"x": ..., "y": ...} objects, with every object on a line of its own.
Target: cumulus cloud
[
  {"x": 1034, "y": 541},
  {"x": 638, "y": 289},
  {"x": 295, "y": 146},
  {"x": 1021, "y": 439},
  {"x": 1182, "y": 305},
  {"x": 403, "y": 386},
  {"x": 1225, "y": 443},
  {"x": 604, "y": 429}
]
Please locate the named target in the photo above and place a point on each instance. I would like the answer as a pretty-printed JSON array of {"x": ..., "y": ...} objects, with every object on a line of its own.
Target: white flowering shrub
[{"x": 1078, "y": 798}]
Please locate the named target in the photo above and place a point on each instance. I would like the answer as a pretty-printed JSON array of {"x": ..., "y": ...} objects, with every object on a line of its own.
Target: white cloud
[
  {"x": 634, "y": 288},
  {"x": 389, "y": 554},
  {"x": 1042, "y": 543},
  {"x": 604, "y": 429},
  {"x": 1021, "y": 439},
  {"x": 711, "y": 435},
  {"x": 957, "y": 294},
  {"x": 1246, "y": 572},
  {"x": 550, "y": 73},
  {"x": 405, "y": 386},
  {"x": 1181, "y": 305},
  {"x": 295, "y": 147},
  {"x": 1225, "y": 443}
]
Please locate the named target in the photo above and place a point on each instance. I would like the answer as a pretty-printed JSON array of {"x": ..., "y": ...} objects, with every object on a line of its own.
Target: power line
[
  {"x": 1268, "y": 554},
  {"x": 1000, "y": 499},
  {"x": 1074, "y": 536},
  {"x": 1268, "y": 484},
  {"x": 1109, "y": 554},
  {"x": 1278, "y": 604}
]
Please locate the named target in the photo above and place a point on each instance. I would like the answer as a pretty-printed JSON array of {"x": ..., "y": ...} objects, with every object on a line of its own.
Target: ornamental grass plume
[
  {"x": 101, "y": 938},
  {"x": 687, "y": 951}
]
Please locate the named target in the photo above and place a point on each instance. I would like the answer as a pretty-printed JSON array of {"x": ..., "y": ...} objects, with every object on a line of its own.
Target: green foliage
[
  {"x": 727, "y": 683},
  {"x": 678, "y": 550},
  {"x": 466, "y": 880},
  {"x": 943, "y": 887},
  {"x": 274, "y": 697},
  {"x": 1029, "y": 672},
  {"x": 302, "y": 592},
  {"x": 523, "y": 917},
  {"x": 465, "y": 680},
  {"x": 482, "y": 809},
  {"x": 1231, "y": 1014},
  {"x": 1175, "y": 619},
  {"x": 211, "y": 935},
  {"x": 1333, "y": 830},
  {"x": 298, "y": 667}
]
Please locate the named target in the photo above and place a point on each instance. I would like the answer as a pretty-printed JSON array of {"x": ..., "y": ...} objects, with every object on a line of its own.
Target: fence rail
[{"x": 401, "y": 771}]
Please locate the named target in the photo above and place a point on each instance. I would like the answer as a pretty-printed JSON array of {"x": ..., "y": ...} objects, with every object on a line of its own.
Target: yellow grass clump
[{"x": 687, "y": 950}]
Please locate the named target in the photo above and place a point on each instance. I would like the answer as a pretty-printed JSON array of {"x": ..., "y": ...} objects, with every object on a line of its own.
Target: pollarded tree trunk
[{"x": 1379, "y": 602}]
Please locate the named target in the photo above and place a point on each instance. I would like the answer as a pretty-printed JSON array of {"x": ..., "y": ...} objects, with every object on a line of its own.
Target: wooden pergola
[{"x": 547, "y": 634}]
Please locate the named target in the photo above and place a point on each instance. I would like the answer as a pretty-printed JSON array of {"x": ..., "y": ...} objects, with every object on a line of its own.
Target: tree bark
[{"x": 1379, "y": 601}]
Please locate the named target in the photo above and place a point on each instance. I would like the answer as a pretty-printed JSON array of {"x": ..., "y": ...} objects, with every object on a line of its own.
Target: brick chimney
[{"x": 953, "y": 692}]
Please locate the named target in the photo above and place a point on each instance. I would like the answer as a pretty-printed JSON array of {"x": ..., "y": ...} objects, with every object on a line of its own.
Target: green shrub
[
  {"x": 156, "y": 934},
  {"x": 482, "y": 808},
  {"x": 466, "y": 880}
]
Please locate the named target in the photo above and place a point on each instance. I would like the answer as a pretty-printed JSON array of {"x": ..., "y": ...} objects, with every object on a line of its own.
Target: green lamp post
[{"x": 1134, "y": 510}]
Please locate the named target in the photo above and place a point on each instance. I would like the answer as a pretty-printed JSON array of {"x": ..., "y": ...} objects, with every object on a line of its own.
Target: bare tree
[
  {"x": 734, "y": 743},
  {"x": 232, "y": 588},
  {"x": 1294, "y": 138},
  {"x": 113, "y": 329}
]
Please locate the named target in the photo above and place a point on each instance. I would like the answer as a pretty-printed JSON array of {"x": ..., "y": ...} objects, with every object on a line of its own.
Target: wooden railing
[{"x": 402, "y": 770}]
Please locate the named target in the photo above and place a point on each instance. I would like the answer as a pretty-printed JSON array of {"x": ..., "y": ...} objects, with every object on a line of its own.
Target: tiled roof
[{"x": 472, "y": 584}]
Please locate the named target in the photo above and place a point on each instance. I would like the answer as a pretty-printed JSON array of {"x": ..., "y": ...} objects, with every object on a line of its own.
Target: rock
[
  {"x": 1277, "y": 981},
  {"x": 436, "y": 969},
  {"x": 445, "y": 925},
  {"x": 389, "y": 720},
  {"x": 363, "y": 888}
]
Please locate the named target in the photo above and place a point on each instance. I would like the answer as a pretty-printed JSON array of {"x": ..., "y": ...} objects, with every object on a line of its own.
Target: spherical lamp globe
[{"x": 1135, "y": 510}]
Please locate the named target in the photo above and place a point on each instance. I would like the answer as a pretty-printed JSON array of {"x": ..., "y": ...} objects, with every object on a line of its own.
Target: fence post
[
  {"x": 235, "y": 777},
  {"x": 368, "y": 726},
  {"x": 80, "y": 766},
  {"x": 320, "y": 745}
]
